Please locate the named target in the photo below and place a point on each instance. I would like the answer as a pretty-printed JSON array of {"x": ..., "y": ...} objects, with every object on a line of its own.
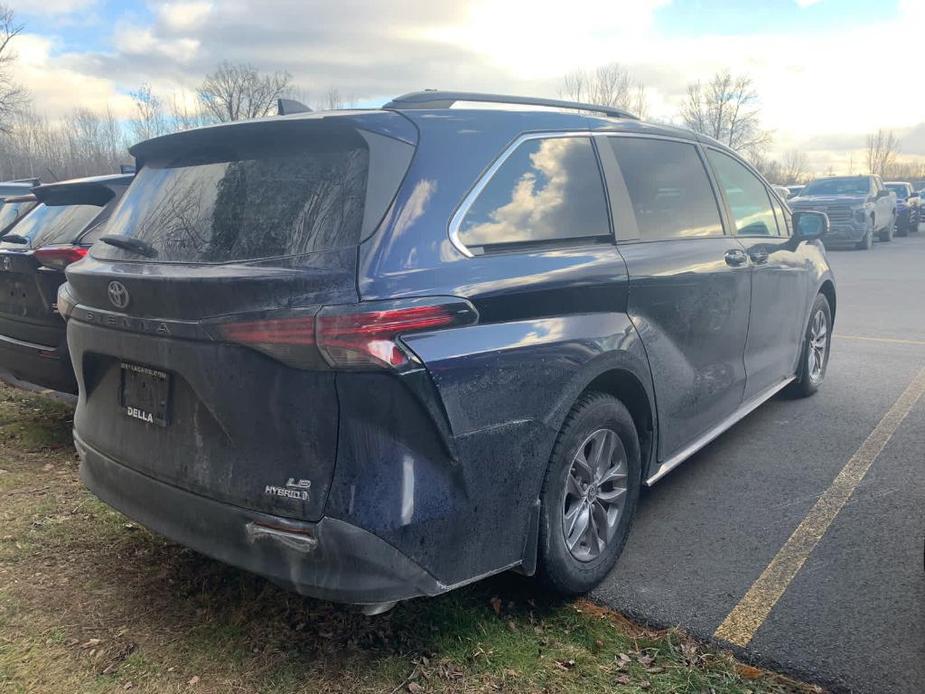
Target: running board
[{"x": 711, "y": 434}]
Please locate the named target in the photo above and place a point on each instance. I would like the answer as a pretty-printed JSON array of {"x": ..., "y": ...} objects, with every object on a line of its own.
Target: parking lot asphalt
[{"x": 852, "y": 614}]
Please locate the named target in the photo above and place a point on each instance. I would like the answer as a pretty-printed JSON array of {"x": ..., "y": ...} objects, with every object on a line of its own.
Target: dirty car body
[
  {"x": 360, "y": 401},
  {"x": 33, "y": 255}
]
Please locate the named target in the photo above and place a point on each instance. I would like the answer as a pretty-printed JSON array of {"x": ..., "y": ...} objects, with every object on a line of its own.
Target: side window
[
  {"x": 783, "y": 217},
  {"x": 747, "y": 196},
  {"x": 547, "y": 190},
  {"x": 668, "y": 188}
]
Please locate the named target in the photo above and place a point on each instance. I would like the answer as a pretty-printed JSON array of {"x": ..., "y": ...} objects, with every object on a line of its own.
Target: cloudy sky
[{"x": 828, "y": 71}]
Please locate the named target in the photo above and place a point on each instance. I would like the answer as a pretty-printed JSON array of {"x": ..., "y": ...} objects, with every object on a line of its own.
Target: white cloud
[
  {"x": 57, "y": 87},
  {"x": 812, "y": 84},
  {"x": 183, "y": 16},
  {"x": 51, "y": 7}
]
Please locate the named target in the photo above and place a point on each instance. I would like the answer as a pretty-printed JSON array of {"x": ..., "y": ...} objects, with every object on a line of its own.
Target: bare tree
[
  {"x": 332, "y": 100},
  {"x": 239, "y": 91},
  {"x": 150, "y": 120},
  {"x": 12, "y": 94},
  {"x": 793, "y": 167},
  {"x": 184, "y": 116},
  {"x": 727, "y": 109},
  {"x": 607, "y": 85},
  {"x": 882, "y": 149}
]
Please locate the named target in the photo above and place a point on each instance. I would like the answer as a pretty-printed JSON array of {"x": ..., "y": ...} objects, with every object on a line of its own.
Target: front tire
[
  {"x": 867, "y": 242},
  {"x": 589, "y": 495},
  {"x": 814, "y": 357},
  {"x": 887, "y": 233}
]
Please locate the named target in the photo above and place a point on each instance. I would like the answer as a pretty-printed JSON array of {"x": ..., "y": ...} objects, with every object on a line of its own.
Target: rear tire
[
  {"x": 814, "y": 357},
  {"x": 571, "y": 560}
]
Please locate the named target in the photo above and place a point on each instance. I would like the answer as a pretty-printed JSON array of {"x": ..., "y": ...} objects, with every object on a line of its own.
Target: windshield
[
  {"x": 59, "y": 224},
  {"x": 901, "y": 191},
  {"x": 11, "y": 211},
  {"x": 221, "y": 208},
  {"x": 838, "y": 186}
]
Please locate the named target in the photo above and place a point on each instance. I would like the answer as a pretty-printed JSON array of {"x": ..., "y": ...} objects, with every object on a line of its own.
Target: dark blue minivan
[{"x": 373, "y": 355}]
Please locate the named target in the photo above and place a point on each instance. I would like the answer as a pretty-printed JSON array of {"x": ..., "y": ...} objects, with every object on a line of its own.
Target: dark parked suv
[
  {"x": 380, "y": 354},
  {"x": 33, "y": 254}
]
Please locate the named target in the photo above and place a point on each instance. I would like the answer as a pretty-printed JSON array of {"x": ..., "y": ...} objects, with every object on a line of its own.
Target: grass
[{"x": 91, "y": 602}]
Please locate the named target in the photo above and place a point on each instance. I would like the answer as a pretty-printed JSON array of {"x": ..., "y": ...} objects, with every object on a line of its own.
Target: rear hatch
[
  {"x": 28, "y": 287},
  {"x": 227, "y": 234}
]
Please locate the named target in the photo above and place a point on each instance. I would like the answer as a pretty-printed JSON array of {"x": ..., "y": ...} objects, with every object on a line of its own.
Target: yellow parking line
[
  {"x": 741, "y": 624},
  {"x": 880, "y": 339}
]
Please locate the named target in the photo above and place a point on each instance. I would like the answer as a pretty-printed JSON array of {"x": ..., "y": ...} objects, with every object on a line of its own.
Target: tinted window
[
  {"x": 668, "y": 188},
  {"x": 901, "y": 191},
  {"x": 59, "y": 224},
  {"x": 11, "y": 211},
  {"x": 783, "y": 218},
  {"x": 857, "y": 185},
  {"x": 223, "y": 206},
  {"x": 547, "y": 190},
  {"x": 747, "y": 196}
]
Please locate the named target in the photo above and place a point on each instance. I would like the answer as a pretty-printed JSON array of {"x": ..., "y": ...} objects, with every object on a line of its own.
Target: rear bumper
[
  {"x": 44, "y": 365},
  {"x": 330, "y": 559}
]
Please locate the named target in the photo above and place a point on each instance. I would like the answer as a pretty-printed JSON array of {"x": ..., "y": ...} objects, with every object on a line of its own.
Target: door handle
[
  {"x": 759, "y": 256},
  {"x": 736, "y": 258}
]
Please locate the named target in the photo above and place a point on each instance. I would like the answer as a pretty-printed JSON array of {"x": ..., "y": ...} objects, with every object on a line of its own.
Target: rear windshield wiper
[
  {"x": 127, "y": 243},
  {"x": 14, "y": 238}
]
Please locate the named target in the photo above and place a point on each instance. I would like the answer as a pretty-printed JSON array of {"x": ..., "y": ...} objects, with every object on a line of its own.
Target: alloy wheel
[
  {"x": 818, "y": 346},
  {"x": 595, "y": 494}
]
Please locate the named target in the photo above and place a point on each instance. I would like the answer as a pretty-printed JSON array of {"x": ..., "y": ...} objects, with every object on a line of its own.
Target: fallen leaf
[
  {"x": 748, "y": 672},
  {"x": 496, "y": 605},
  {"x": 128, "y": 685},
  {"x": 193, "y": 680},
  {"x": 415, "y": 688},
  {"x": 91, "y": 643},
  {"x": 565, "y": 664},
  {"x": 623, "y": 679}
]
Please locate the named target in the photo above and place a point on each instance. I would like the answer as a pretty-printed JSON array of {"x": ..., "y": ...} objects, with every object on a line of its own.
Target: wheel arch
[
  {"x": 827, "y": 289},
  {"x": 626, "y": 387}
]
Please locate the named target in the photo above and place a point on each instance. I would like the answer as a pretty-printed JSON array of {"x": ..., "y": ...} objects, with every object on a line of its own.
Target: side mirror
[
  {"x": 809, "y": 225},
  {"x": 883, "y": 193},
  {"x": 914, "y": 194}
]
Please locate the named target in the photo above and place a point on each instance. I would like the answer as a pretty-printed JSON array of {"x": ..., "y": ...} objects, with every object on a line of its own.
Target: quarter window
[
  {"x": 747, "y": 196},
  {"x": 668, "y": 188},
  {"x": 547, "y": 190}
]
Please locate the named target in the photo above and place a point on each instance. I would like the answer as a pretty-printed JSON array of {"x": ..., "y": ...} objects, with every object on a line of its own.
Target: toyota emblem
[{"x": 118, "y": 294}]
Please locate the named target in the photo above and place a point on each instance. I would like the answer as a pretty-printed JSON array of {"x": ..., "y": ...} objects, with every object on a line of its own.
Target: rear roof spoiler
[
  {"x": 20, "y": 198},
  {"x": 87, "y": 191}
]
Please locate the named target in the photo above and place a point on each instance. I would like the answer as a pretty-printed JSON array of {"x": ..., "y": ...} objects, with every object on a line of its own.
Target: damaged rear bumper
[{"x": 330, "y": 559}]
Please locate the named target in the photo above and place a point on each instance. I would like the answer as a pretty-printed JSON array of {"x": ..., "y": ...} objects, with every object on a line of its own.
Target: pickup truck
[
  {"x": 859, "y": 207},
  {"x": 908, "y": 207}
]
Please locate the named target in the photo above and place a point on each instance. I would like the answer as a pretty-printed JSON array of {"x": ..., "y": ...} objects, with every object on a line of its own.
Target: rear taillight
[
  {"x": 59, "y": 257},
  {"x": 360, "y": 336}
]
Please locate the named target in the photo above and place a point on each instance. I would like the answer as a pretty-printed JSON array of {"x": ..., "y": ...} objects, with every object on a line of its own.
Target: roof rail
[{"x": 438, "y": 99}]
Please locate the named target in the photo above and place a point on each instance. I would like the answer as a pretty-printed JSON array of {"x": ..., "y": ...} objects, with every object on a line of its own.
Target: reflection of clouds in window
[
  {"x": 548, "y": 189},
  {"x": 251, "y": 208}
]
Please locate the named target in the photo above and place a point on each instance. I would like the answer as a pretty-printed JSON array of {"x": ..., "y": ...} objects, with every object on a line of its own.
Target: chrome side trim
[
  {"x": 711, "y": 434},
  {"x": 23, "y": 343},
  {"x": 464, "y": 206}
]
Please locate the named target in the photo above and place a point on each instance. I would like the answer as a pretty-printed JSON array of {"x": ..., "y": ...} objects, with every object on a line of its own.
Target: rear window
[
  {"x": 11, "y": 211},
  {"x": 59, "y": 224},
  {"x": 226, "y": 205}
]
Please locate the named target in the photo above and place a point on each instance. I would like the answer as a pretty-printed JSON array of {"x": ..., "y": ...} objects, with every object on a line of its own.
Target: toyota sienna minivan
[{"x": 373, "y": 355}]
